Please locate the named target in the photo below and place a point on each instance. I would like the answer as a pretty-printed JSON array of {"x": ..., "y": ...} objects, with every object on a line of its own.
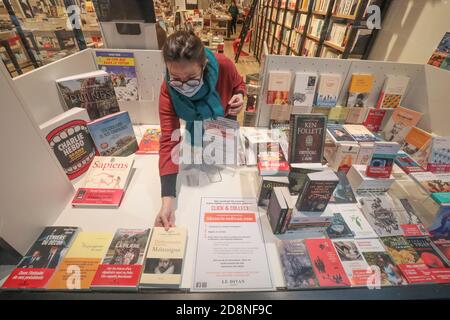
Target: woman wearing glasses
[{"x": 199, "y": 85}]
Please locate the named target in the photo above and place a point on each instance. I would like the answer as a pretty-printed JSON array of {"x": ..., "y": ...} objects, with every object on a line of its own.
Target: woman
[
  {"x": 199, "y": 85},
  {"x": 234, "y": 11}
]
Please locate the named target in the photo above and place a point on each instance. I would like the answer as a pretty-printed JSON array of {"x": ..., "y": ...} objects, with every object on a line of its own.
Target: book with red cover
[
  {"x": 271, "y": 161},
  {"x": 150, "y": 141},
  {"x": 407, "y": 164},
  {"x": 40, "y": 262},
  {"x": 374, "y": 119},
  {"x": 383, "y": 157},
  {"x": 122, "y": 265},
  {"x": 326, "y": 264}
]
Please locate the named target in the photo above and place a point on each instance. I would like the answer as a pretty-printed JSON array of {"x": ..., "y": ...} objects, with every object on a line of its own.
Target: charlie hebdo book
[
  {"x": 105, "y": 182},
  {"x": 121, "y": 266},
  {"x": 80, "y": 264},
  {"x": 40, "y": 262}
]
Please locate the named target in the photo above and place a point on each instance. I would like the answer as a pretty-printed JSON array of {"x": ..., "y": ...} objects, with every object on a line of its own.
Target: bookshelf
[{"x": 317, "y": 28}]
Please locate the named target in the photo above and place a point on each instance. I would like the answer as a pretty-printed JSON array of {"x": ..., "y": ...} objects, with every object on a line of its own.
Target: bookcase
[{"x": 317, "y": 28}]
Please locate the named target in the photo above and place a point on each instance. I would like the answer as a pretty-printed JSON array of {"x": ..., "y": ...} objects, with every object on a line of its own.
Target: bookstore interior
[{"x": 319, "y": 165}]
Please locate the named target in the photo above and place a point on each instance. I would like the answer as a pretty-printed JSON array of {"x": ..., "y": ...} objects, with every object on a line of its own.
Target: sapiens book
[
  {"x": 326, "y": 263},
  {"x": 307, "y": 138},
  {"x": 296, "y": 265},
  {"x": 105, "y": 182},
  {"x": 267, "y": 185},
  {"x": 304, "y": 91},
  {"x": 439, "y": 160},
  {"x": 163, "y": 263},
  {"x": 69, "y": 138},
  {"x": 359, "y": 90},
  {"x": 92, "y": 91},
  {"x": 279, "y": 85},
  {"x": 40, "y": 262},
  {"x": 122, "y": 68},
  {"x": 400, "y": 123},
  {"x": 328, "y": 90},
  {"x": 357, "y": 222},
  {"x": 382, "y": 162},
  {"x": 317, "y": 191},
  {"x": 121, "y": 266},
  {"x": 113, "y": 135},
  {"x": 80, "y": 264},
  {"x": 339, "y": 228},
  {"x": 343, "y": 193},
  {"x": 374, "y": 119},
  {"x": 408, "y": 260},
  {"x": 149, "y": 143},
  {"x": 337, "y": 133},
  {"x": 271, "y": 161},
  {"x": 407, "y": 164},
  {"x": 394, "y": 88},
  {"x": 360, "y": 133}
]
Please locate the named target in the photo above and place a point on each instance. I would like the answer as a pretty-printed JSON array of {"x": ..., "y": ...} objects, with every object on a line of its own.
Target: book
[
  {"x": 440, "y": 57},
  {"x": 290, "y": 203},
  {"x": 356, "y": 221},
  {"x": 276, "y": 210},
  {"x": 408, "y": 260},
  {"x": 92, "y": 91},
  {"x": 362, "y": 184},
  {"x": 39, "y": 264},
  {"x": 70, "y": 141},
  {"x": 122, "y": 68},
  {"x": 441, "y": 198},
  {"x": 339, "y": 228},
  {"x": 382, "y": 162},
  {"x": 149, "y": 143},
  {"x": 417, "y": 141},
  {"x": 394, "y": 88},
  {"x": 279, "y": 85},
  {"x": 343, "y": 193},
  {"x": 400, "y": 123},
  {"x": 431, "y": 182},
  {"x": 253, "y": 138},
  {"x": 271, "y": 161},
  {"x": 298, "y": 172},
  {"x": 360, "y": 133},
  {"x": 105, "y": 182},
  {"x": 80, "y": 264},
  {"x": 407, "y": 164},
  {"x": 439, "y": 160},
  {"x": 374, "y": 119},
  {"x": 410, "y": 223},
  {"x": 442, "y": 243},
  {"x": 440, "y": 227},
  {"x": 338, "y": 115},
  {"x": 379, "y": 210},
  {"x": 164, "y": 258},
  {"x": 304, "y": 92},
  {"x": 307, "y": 138},
  {"x": 365, "y": 153},
  {"x": 121, "y": 266},
  {"x": 113, "y": 135},
  {"x": 296, "y": 265},
  {"x": 267, "y": 185},
  {"x": 345, "y": 156},
  {"x": 326, "y": 263},
  {"x": 317, "y": 191},
  {"x": 356, "y": 115},
  {"x": 359, "y": 90},
  {"x": 328, "y": 90},
  {"x": 337, "y": 133}
]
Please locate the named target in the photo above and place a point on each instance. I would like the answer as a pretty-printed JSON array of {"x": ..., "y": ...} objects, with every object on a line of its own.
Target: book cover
[
  {"x": 415, "y": 141},
  {"x": 339, "y": 228},
  {"x": 410, "y": 223},
  {"x": 356, "y": 115},
  {"x": 345, "y": 156},
  {"x": 338, "y": 115},
  {"x": 353, "y": 262},
  {"x": 290, "y": 203},
  {"x": 164, "y": 258},
  {"x": 343, "y": 193},
  {"x": 113, "y": 135},
  {"x": 382, "y": 162},
  {"x": 278, "y": 87},
  {"x": 92, "y": 91},
  {"x": 271, "y": 161},
  {"x": 296, "y": 265},
  {"x": 432, "y": 183},
  {"x": 276, "y": 210},
  {"x": 439, "y": 160},
  {"x": 441, "y": 198},
  {"x": 374, "y": 119},
  {"x": 122, "y": 68},
  {"x": 105, "y": 182},
  {"x": 317, "y": 191},
  {"x": 304, "y": 90},
  {"x": 70, "y": 141},
  {"x": 360, "y": 133},
  {"x": 407, "y": 164},
  {"x": 297, "y": 175},
  {"x": 80, "y": 264},
  {"x": 307, "y": 138},
  {"x": 337, "y": 133},
  {"x": 394, "y": 89},
  {"x": 365, "y": 153},
  {"x": 356, "y": 221},
  {"x": 400, "y": 123},
  {"x": 408, "y": 260},
  {"x": 328, "y": 90},
  {"x": 440, "y": 57},
  {"x": 326, "y": 263},
  {"x": 150, "y": 141},
  {"x": 442, "y": 243},
  {"x": 359, "y": 90},
  {"x": 121, "y": 266},
  {"x": 267, "y": 185},
  {"x": 40, "y": 262},
  {"x": 440, "y": 228}
]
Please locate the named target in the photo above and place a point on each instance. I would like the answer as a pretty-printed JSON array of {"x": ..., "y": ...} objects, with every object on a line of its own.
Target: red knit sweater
[{"x": 228, "y": 84}]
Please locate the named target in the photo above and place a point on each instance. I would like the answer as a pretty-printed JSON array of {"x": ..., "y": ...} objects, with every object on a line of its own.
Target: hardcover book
[
  {"x": 92, "y": 91},
  {"x": 359, "y": 90},
  {"x": 439, "y": 161},
  {"x": 121, "y": 266},
  {"x": 150, "y": 141},
  {"x": 40, "y": 262},
  {"x": 328, "y": 90},
  {"x": 326, "y": 263},
  {"x": 382, "y": 162},
  {"x": 298, "y": 172},
  {"x": 80, "y": 264},
  {"x": 69, "y": 138},
  {"x": 279, "y": 87},
  {"x": 277, "y": 210},
  {"x": 394, "y": 89},
  {"x": 374, "y": 119},
  {"x": 105, "y": 182},
  {"x": 113, "y": 135},
  {"x": 400, "y": 123},
  {"x": 122, "y": 68},
  {"x": 164, "y": 258},
  {"x": 304, "y": 91},
  {"x": 307, "y": 138}
]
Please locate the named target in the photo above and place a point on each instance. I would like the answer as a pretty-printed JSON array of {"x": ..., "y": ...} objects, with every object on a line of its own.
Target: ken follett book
[{"x": 307, "y": 138}]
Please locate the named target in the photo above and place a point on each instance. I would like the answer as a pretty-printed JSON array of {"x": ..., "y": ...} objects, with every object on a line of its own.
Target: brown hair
[{"x": 184, "y": 46}]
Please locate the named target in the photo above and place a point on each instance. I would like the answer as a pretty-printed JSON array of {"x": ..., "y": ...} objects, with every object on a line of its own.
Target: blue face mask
[{"x": 189, "y": 91}]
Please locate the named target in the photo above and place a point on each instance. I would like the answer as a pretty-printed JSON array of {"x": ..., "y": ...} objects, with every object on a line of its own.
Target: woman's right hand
[{"x": 166, "y": 215}]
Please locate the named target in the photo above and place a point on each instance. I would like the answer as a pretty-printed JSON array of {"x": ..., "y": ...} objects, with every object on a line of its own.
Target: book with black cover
[{"x": 307, "y": 138}]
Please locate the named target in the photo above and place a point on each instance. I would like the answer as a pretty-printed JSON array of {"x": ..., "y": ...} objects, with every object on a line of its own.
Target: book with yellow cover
[
  {"x": 78, "y": 268},
  {"x": 359, "y": 90},
  {"x": 164, "y": 260}
]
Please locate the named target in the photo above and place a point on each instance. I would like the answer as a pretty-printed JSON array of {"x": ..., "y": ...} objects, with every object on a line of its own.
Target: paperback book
[
  {"x": 410, "y": 223},
  {"x": 337, "y": 133},
  {"x": 267, "y": 185},
  {"x": 356, "y": 268},
  {"x": 278, "y": 87},
  {"x": 298, "y": 172},
  {"x": 393, "y": 90},
  {"x": 304, "y": 91},
  {"x": 356, "y": 115},
  {"x": 432, "y": 183},
  {"x": 359, "y": 90},
  {"x": 150, "y": 141},
  {"x": 328, "y": 90},
  {"x": 339, "y": 228},
  {"x": 400, "y": 123},
  {"x": 382, "y": 162},
  {"x": 407, "y": 164},
  {"x": 360, "y": 133},
  {"x": 272, "y": 162},
  {"x": 416, "y": 143},
  {"x": 356, "y": 221},
  {"x": 343, "y": 193},
  {"x": 374, "y": 119},
  {"x": 439, "y": 161}
]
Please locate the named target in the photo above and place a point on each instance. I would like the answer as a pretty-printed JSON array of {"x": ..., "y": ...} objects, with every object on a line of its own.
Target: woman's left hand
[{"x": 236, "y": 103}]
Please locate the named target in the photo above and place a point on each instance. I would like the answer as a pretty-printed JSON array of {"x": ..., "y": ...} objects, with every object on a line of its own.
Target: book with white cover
[
  {"x": 394, "y": 89},
  {"x": 352, "y": 260},
  {"x": 328, "y": 90},
  {"x": 304, "y": 91},
  {"x": 356, "y": 221}
]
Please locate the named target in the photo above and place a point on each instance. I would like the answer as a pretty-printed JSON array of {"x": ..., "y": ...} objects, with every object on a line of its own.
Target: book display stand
[{"x": 39, "y": 194}]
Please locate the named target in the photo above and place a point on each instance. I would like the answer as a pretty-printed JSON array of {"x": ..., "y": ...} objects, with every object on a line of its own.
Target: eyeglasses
[{"x": 191, "y": 83}]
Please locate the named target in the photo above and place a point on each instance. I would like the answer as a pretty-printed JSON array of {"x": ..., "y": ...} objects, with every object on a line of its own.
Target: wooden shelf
[
  {"x": 334, "y": 46},
  {"x": 339, "y": 16},
  {"x": 320, "y": 13},
  {"x": 313, "y": 37}
]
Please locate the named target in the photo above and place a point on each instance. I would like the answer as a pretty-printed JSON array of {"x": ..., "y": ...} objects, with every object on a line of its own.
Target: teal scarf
[{"x": 205, "y": 104}]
